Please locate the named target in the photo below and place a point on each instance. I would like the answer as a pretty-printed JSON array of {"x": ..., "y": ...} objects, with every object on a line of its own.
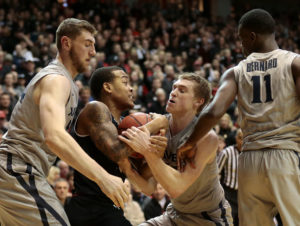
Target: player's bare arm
[
  {"x": 95, "y": 121},
  {"x": 174, "y": 181},
  {"x": 210, "y": 115},
  {"x": 296, "y": 74},
  {"x": 146, "y": 183},
  {"x": 51, "y": 94},
  {"x": 158, "y": 123}
]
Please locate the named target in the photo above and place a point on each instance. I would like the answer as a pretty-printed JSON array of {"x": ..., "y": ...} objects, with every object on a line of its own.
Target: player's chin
[
  {"x": 130, "y": 104},
  {"x": 169, "y": 109}
]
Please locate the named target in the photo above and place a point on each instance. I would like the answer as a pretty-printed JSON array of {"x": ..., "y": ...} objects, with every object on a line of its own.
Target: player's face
[
  {"x": 122, "y": 91},
  {"x": 82, "y": 50},
  {"x": 182, "y": 97},
  {"x": 247, "y": 41}
]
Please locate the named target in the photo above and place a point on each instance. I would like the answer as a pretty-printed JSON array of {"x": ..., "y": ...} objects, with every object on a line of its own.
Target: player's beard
[{"x": 80, "y": 67}]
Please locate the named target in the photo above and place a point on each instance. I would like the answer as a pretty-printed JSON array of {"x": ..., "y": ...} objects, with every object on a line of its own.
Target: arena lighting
[{"x": 63, "y": 2}]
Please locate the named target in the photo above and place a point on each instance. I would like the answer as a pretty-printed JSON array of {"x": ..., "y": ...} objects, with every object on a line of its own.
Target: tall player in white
[{"x": 267, "y": 84}]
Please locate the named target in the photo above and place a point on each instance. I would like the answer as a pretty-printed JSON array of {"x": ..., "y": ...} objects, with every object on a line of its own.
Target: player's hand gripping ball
[{"x": 136, "y": 119}]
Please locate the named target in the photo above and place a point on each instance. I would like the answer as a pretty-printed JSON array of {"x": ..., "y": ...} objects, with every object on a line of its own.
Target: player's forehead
[
  {"x": 86, "y": 36},
  {"x": 183, "y": 83},
  {"x": 120, "y": 75}
]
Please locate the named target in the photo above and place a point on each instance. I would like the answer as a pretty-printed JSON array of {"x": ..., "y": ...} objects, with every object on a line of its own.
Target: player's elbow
[
  {"x": 51, "y": 138},
  {"x": 118, "y": 152},
  {"x": 176, "y": 193},
  {"x": 213, "y": 113}
]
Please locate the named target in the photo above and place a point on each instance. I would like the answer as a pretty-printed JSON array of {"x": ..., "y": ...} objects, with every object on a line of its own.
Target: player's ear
[
  {"x": 66, "y": 43},
  {"x": 253, "y": 36},
  {"x": 107, "y": 87},
  {"x": 199, "y": 102}
]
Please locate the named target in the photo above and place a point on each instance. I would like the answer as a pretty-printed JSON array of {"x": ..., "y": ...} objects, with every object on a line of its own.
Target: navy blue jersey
[{"x": 83, "y": 185}]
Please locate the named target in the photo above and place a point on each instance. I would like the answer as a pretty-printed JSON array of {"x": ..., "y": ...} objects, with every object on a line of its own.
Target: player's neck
[
  {"x": 179, "y": 122},
  {"x": 267, "y": 44},
  {"x": 116, "y": 113},
  {"x": 68, "y": 64}
]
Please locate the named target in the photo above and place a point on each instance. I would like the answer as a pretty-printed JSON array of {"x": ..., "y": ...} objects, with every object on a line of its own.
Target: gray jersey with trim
[
  {"x": 25, "y": 137},
  {"x": 206, "y": 192},
  {"x": 269, "y": 108}
]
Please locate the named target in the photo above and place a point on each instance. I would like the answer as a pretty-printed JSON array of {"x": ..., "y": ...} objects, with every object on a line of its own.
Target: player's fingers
[
  {"x": 125, "y": 140},
  {"x": 159, "y": 137},
  {"x": 115, "y": 201},
  {"x": 128, "y": 133},
  {"x": 153, "y": 147},
  {"x": 160, "y": 145},
  {"x": 162, "y": 132},
  {"x": 125, "y": 193},
  {"x": 120, "y": 200}
]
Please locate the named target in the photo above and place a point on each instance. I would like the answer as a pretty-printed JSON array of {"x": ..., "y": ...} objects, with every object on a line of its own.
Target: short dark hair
[
  {"x": 72, "y": 28},
  {"x": 99, "y": 77},
  {"x": 259, "y": 21}
]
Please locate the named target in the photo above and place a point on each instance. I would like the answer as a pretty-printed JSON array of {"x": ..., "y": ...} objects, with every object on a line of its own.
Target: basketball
[{"x": 136, "y": 119}]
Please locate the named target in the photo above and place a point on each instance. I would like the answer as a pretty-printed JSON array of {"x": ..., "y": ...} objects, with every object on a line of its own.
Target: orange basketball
[{"x": 136, "y": 119}]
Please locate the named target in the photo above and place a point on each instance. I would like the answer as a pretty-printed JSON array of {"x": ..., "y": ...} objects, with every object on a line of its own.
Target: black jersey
[{"x": 83, "y": 185}]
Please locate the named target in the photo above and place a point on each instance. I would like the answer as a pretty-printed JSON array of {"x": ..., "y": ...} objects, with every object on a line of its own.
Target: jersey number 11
[{"x": 256, "y": 88}]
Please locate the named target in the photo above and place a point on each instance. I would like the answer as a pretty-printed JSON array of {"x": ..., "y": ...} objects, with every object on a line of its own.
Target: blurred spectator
[
  {"x": 64, "y": 168},
  {"x": 227, "y": 130},
  {"x": 159, "y": 105},
  {"x": 9, "y": 87},
  {"x": 53, "y": 176},
  {"x": 221, "y": 144},
  {"x": 21, "y": 83},
  {"x": 61, "y": 188},
  {"x": 132, "y": 210},
  {"x": 150, "y": 98},
  {"x": 6, "y": 104},
  {"x": 158, "y": 203},
  {"x": 139, "y": 197},
  {"x": 70, "y": 179},
  {"x": 29, "y": 67},
  {"x": 84, "y": 97},
  {"x": 167, "y": 82},
  {"x": 3, "y": 122}
]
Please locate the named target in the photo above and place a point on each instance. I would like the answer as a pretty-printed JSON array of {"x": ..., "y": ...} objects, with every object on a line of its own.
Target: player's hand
[
  {"x": 115, "y": 189},
  {"x": 137, "y": 138},
  {"x": 155, "y": 115},
  {"x": 159, "y": 143},
  {"x": 186, "y": 154}
]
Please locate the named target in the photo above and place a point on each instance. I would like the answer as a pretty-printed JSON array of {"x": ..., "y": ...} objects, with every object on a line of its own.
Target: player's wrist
[{"x": 150, "y": 155}]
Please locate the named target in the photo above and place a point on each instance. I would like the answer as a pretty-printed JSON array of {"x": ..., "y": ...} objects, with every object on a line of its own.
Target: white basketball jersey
[
  {"x": 25, "y": 137},
  {"x": 269, "y": 109}
]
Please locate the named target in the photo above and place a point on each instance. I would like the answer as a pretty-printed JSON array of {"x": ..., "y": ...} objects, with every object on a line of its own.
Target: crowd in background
[{"x": 150, "y": 43}]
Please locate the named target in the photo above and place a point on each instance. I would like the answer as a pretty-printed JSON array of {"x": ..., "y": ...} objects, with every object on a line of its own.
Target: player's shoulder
[
  {"x": 210, "y": 138},
  {"x": 96, "y": 106},
  {"x": 93, "y": 112}
]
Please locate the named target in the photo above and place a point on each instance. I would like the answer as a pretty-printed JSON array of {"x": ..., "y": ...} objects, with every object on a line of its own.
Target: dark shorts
[{"x": 88, "y": 210}]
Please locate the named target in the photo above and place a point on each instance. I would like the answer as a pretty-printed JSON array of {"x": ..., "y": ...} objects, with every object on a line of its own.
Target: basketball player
[
  {"x": 37, "y": 135},
  {"x": 267, "y": 84},
  {"x": 96, "y": 132},
  {"x": 197, "y": 197}
]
